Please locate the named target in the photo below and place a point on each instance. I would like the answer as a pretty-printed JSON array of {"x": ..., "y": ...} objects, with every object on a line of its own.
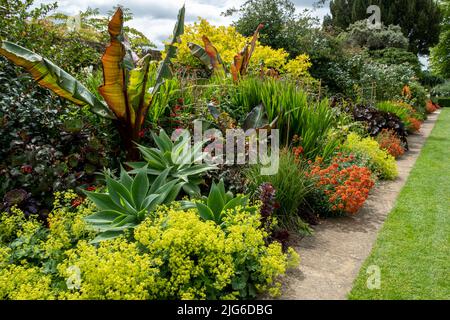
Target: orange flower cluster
[
  {"x": 432, "y": 107},
  {"x": 389, "y": 141},
  {"x": 346, "y": 186},
  {"x": 415, "y": 124}
]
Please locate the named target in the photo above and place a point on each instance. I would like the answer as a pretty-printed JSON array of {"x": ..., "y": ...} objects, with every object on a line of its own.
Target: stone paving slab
[{"x": 332, "y": 257}]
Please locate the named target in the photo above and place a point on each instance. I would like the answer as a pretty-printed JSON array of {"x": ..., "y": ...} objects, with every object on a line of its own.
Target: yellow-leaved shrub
[{"x": 228, "y": 43}]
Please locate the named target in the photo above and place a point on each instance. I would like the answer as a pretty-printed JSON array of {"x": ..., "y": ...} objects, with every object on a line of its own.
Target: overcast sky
[{"x": 156, "y": 18}]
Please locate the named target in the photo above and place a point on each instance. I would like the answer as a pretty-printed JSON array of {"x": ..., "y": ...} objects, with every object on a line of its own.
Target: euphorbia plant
[{"x": 128, "y": 90}]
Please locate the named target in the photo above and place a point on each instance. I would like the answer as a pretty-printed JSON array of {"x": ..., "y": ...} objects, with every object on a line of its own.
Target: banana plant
[
  {"x": 128, "y": 90},
  {"x": 210, "y": 57},
  {"x": 218, "y": 204},
  {"x": 128, "y": 201},
  {"x": 241, "y": 61},
  {"x": 182, "y": 161}
]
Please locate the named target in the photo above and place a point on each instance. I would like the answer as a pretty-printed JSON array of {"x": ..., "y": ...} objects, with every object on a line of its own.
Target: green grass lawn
[{"x": 413, "y": 248}]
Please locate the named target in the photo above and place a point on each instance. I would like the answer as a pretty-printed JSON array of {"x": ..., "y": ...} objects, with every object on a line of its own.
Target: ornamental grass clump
[{"x": 292, "y": 186}]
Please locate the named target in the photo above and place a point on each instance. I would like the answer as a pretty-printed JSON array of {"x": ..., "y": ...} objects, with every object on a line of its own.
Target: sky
[{"x": 156, "y": 18}]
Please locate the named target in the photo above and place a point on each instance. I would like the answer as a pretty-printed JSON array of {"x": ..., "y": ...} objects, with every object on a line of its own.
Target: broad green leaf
[
  {"x": 174, "y": 192},
  {"x": 103, "y": 201},
  {"x": 229, "y": 196},
  {"x": 256, "y": 119},
  {"x": 221, "y": 187},
  {"x": 200, "y": 53},
  {"x": 164, "y": 71},
  {"x": 160, "y": 181},
  {"x": 54, "y": 78},
  {"x": 140, "y": 188},
  {"x": 103, "y": 217},
  {"x": 191, "y": 189},
  {"x": 108, "y": 235},
  {"x": 148, "y": 201},
  {"x": 118, "y": 192},
  {"x": 186, "y": 205},
  {"x": 138, "y": 94},
  {"x": 163, "y": 141},
  {"x": 215, "y": 201},
  {"x": 195, "y": 170},
  {"x": 238, "y": 201},
  {"x": 125, "y": 178},
  {"x": 205, "y": 212},
  {"x": 126, "y": 221},
  {"x": 166, "y": 189}
]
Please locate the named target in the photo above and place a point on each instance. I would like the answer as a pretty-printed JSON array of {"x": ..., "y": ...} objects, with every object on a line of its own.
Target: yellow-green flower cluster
[
  {"x": 115, "y": 270},
  {"x": 194, "y": 252},
  {"x": 380, "y": 161},
  {"x": 24, "y": 283}
]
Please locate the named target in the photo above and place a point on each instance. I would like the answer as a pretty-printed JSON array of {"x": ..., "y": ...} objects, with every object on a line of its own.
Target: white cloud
[{"x": 156, "y": 18}]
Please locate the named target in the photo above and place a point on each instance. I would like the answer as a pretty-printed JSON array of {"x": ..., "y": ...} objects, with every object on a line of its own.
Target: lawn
[{"x": 413, "y": 248}]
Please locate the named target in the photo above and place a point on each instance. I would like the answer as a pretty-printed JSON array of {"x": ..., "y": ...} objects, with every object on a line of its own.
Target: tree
[
  {"x": 419, "y": 19},
  {"x": 282, "y": 25},
  {"x": 440, "y": 55}
]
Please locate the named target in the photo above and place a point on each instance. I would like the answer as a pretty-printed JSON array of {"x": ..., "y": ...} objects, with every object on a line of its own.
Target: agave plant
[
  {"x": 128, "y": 201},
  {"x": 127, "y": 89},
  {"x": 210, "y": 57},
  {"x": 181, "y": 161},
  {"x": 218, "y": 204}
]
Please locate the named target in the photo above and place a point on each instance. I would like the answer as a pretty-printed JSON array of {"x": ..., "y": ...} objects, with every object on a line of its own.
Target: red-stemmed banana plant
[
  {"x": 127, "y": 90},
  {"x": 210, "y": 57},
  {"x": 241, "y": 61}
]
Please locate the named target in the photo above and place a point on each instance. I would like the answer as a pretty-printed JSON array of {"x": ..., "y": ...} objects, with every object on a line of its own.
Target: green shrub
[
  {"x": 44, "y": 146},
  {"x": 441, "y": 94},
  {"x": 419, "y": 97},
  {"x": 292, "y": 186},
  {"x": 444, "y": 102},
  {"x": 219, "y": 204},
  {"x": 379, "y": 161}
]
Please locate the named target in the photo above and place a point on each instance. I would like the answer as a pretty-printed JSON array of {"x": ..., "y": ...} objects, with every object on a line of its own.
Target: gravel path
[{"x": 332, "y": 257}]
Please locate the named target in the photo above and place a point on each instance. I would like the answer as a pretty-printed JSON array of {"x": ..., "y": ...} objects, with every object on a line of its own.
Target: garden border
[{"x": 331, "y": 259}]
